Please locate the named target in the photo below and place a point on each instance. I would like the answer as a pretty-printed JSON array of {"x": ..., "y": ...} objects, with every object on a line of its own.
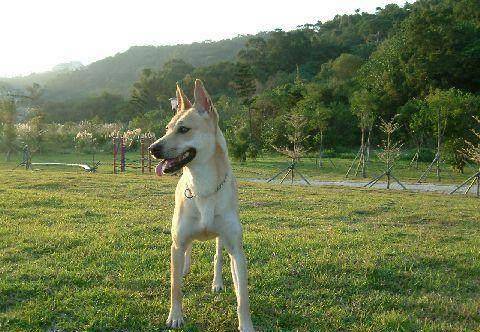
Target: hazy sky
[{"x": 36, "y": 35}]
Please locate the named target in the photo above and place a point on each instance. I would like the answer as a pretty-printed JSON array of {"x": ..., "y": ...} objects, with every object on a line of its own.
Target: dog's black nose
[{"x": 156, "y": 150}]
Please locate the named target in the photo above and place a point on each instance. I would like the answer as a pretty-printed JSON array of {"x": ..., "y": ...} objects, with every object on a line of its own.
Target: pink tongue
[
  {"x": 159, "y": 168},
  {"x": 162, "y": 165}
]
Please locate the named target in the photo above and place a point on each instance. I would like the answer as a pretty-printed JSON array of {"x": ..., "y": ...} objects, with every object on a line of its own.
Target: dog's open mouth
[{"x": 174, "y": 164}]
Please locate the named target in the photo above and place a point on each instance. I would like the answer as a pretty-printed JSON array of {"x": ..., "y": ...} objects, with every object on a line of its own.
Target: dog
[{"x": 206, "y": 199}]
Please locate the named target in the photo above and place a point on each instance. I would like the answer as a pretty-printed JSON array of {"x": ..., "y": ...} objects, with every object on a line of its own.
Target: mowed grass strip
[
  {"x": 265, "y": 166},
  {"x": 91, "y": 252}
]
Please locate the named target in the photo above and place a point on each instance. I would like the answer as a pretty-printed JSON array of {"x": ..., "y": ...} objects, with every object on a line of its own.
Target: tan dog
[{"x": 206, "y": 202}]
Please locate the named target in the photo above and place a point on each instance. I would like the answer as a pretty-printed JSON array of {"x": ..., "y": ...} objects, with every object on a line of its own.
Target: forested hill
[{"x": 116, "y": 74}]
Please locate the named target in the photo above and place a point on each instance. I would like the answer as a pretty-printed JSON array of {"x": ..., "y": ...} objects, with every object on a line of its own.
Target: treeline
[{"x": 419, "y": 63}]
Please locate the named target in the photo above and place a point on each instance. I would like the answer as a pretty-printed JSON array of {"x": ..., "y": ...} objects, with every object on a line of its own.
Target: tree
[
  {"x": 364, "y": 107},
  {"x": 238, "y": 138},
  {"x": 337, "y": 78},
  {"x": 436, "y": 46},
  {"x": 35, "y": 92},
  {"x": 154, "y": 88},
  {"x": 417, "y": 131},
  {"x": 345, "y": 67},
  {"x": 145, "y": 91},
  {"x": 254, "y": 54},
  {"x": 244, "y": 82},
  {"x": 245, "y": 88},
  {"x": 317, "y": 115},
  {"x": 295, "y": 124},
  {"x": 8, "y": 114},
  {"x": 448, "y": 113},
  {"x": 389, "y": 153},
  {"x": 36, "y": 122},
  {"x": 219, "y": 78}
]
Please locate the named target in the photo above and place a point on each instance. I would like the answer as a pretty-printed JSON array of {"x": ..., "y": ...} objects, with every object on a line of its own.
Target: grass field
[{"x": 90, "y": 252}]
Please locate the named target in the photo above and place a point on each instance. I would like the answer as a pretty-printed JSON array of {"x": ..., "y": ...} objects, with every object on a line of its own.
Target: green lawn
[{"x": 90, "y": 252}]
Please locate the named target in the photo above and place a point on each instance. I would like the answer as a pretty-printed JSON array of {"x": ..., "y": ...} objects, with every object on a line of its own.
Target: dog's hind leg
[
  {"x": 217, "y": 284},
  {"x": 175, "y": 317},
  {"x": 187, "y": 263}
]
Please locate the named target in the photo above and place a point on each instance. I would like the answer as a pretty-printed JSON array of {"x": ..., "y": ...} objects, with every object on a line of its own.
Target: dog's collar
[{"x": 190, "y": 194}]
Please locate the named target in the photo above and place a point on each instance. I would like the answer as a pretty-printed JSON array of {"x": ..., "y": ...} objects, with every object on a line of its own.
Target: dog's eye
[{"x": 183, "y": 130}]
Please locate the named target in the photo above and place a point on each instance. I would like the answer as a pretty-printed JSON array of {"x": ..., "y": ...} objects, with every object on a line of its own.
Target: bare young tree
[
  {"x": 296, "y": 137},
  {"x": 295, "y": 151},
  {"x": 389, "y": 153}
]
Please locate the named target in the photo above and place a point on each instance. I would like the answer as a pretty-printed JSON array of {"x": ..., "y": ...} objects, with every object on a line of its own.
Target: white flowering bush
[
  {"x": 24, "y": 130},
  {"x": 85, "y": 136},
  {"x": 110, "y": 130},
  {"x": 131, "y": 138},
  {"x": 85, "y": 141},
  {"x": 30, "y": 133}
]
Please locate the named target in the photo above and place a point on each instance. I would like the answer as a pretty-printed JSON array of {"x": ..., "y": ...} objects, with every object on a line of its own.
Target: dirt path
[{"x": 417, "y": 187}]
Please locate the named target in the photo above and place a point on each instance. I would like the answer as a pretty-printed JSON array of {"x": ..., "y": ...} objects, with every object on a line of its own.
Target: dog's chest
[
  {"x": 201, "y": 217},
  {"x": 198, "y": 216}
]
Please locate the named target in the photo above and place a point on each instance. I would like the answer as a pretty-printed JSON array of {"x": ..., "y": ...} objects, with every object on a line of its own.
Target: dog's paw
[
  {"x": 217, "y": 287},
  {"x": 175, "y": 319}
]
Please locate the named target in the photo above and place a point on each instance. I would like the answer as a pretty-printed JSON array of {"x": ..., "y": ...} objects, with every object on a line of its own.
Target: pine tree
[{"x": 245, "y": 88}]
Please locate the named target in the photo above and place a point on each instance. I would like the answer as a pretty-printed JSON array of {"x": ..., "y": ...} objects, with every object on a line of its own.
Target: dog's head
[{"x": 191, "y": 134}]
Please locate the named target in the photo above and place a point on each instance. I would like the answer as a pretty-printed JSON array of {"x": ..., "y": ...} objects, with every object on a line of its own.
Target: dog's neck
[{"x": 204, "y": 178}]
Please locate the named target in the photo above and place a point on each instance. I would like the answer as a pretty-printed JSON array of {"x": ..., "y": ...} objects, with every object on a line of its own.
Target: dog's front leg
[
  {"x": 217, "y": 284},
  {"x": 188, "y": 257},
  {"x": 239, "y": 274},
  {"x": 175, "y": 317},
  {"x": 234, "y": 246}
]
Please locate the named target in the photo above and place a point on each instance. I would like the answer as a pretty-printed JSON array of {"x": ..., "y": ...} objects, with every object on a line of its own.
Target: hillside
[{"x": 117, "y": 73}]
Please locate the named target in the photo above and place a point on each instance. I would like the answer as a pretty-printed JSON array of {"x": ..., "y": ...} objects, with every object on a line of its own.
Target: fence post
[
  {"x": 150, "y": 142},
  {"x": 142, "y": 149},
  {"x": 122, "y": 154},
  {"x": 115, "y": 152}
]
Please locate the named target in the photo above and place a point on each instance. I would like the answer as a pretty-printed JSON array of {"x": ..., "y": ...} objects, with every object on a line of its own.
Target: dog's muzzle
[
  {"x": 171, "y": 165},
  {"x": 156, "y": 150}
]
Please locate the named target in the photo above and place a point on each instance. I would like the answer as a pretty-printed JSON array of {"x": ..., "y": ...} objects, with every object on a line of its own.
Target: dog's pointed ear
[
  {"x": 203, "y": 102},
  {"x": 182, "y": 100}
]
